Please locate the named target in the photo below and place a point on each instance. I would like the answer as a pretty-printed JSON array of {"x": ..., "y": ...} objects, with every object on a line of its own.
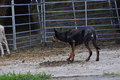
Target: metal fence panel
[
  {"x": 70, "y": 14},
  {"x": 35, "y": 26},
  {"x": 24, "y": 33}
]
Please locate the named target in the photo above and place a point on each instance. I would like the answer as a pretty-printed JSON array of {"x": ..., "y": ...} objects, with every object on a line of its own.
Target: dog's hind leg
[
  {"x": 97, "y": 58},
  {"x": 97, "y": 49},
  {"x": 90, "y": 52}
]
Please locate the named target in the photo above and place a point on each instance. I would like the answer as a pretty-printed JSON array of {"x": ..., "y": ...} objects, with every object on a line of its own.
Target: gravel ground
[{"x": 32, "y": 60}]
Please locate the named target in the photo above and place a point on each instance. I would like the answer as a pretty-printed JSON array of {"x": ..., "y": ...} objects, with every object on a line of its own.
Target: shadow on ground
[{"x": 59, "y": 63}]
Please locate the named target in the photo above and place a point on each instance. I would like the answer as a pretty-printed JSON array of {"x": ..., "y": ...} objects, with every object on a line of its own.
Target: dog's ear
[
  {"x": 60, "y": 29},
  {"x": 55, "y": 30}
]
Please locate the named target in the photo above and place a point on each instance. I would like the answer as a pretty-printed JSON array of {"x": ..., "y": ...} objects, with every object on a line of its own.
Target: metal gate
[
  {"x": 24, "y": 28},
  {"x": 44, "y": 15},
  {"x": 70, "y": 14}
]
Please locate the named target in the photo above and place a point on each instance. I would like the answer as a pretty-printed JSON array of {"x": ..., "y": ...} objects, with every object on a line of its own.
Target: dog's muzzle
[{"x": 55, "y": 40}]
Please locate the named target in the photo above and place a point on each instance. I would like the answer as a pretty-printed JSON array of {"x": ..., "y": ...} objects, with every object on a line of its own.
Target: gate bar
[
  {"x": 14, "y": 28},
  {"x": 86, "y": 23}
]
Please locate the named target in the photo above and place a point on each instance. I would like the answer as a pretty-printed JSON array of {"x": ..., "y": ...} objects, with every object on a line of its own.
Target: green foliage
[
  {"x": 112, "y": 74},
  {"x": 27, "y": 76}
]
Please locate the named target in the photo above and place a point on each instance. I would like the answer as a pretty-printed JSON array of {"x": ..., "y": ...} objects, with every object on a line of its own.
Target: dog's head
[{"x": 59, "y": 36}]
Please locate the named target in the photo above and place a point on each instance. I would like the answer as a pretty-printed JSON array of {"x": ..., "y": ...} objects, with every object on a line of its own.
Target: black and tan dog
[{"x": 78, "y": 36}]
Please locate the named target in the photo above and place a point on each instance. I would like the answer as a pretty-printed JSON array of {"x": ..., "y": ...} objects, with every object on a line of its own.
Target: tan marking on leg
[
  {"x": 69, "y": 56},
  {"x": 72, "y": 54},
  {"x": 73, "y": 51}
]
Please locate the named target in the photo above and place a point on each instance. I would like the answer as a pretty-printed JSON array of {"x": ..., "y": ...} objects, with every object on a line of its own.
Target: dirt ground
[{"x": 52, "y": 60}]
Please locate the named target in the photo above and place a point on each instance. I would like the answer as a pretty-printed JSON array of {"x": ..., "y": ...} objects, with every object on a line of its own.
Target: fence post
[
  {"x": 73, "y": 5},
  {"x": 86, "y": 22},
  {"x": 117, "y": 11},
  {"x": 42, "y": 24},
  {"x": 44, "y": 21},
  {"x": 13, "y": 26},
  {"x": 29, "y": 24}
]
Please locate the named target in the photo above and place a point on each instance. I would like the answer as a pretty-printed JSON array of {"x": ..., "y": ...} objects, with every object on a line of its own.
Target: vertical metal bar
[
  {"x": 38, "y": 12},
  {"x": 29, "y": 25},
  {"x": 111, "y": 12},
  {"x": 86, "y": 22},
  {"x": 42, "y": 25},
  {"x": 13, "y": 26},
  {"x": 74, "y": 14},
  {"x": 117, "y": 11},
  {"x": 42, "y": 13},
  {"x": 44, "y": 21}
]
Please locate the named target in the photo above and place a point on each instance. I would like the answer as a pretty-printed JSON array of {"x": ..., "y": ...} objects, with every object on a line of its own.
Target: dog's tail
[
  {"x": 95, "y": 44},
  {"x": 94, "y": 40}
]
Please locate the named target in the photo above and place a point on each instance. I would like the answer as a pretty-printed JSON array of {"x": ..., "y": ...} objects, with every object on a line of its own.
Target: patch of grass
[
  {"x": 27, "y": 76},
  {"x": 112, "y": 74}
]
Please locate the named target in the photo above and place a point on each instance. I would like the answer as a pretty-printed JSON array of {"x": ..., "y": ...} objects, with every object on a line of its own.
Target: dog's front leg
[{"x": 72, "y": 54}]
